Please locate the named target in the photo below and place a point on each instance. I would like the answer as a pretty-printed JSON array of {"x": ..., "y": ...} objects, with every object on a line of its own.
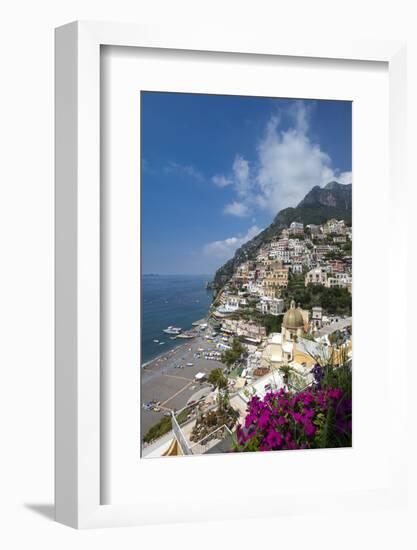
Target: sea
[{"x": 176, "y": 300}]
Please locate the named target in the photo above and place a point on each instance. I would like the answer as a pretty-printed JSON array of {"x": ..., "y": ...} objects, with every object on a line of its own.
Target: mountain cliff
[{"x": 334, "y": 200}]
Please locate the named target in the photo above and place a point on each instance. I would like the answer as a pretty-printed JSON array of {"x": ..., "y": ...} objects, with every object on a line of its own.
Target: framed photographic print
[
  {"x": 217, "y": 302},
  {"x": 262, "y": 359}
]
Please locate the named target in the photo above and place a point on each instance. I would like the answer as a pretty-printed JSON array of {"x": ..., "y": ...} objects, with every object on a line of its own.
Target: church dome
[{"x": 293, "y": 318}]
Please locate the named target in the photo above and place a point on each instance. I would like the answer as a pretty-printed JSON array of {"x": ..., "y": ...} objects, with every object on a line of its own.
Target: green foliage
[
  {"x": 217, "y": 378},
  {"x": 334, "y": 255},
  {"x": 161, "y": 428},
  {"x": 285, "y": 370},
  {"x": 325, "y": 425},
  {"x": 230, "y": 356},
  {"x": 338, "y": 377},
  {"x": 315, "y": 215},
  {"x": 334, "y": 300},
  {"x": 347, "y": 248},
  {"x": 165, "y": 425},
  {"x": 182, "y": 416},
  {"x": 271, "y": 323}
]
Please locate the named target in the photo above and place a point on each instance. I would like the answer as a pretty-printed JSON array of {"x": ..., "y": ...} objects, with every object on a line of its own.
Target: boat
[
  {"x": 186, "y": 335},
  {"x": 160, "y": 343},
  {"x": 172, "y": 330},
  {"x": 156, "y": 341}
]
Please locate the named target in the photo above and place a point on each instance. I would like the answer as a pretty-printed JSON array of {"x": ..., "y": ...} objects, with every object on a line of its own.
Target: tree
[
  {"x": 230, "y": 356},
  {"x": 217, "y": 378},
  {"x": 272, "y": 323},
  {"x": 285, "y": 370}
]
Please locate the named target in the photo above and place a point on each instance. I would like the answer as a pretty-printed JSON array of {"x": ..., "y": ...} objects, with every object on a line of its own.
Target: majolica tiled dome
[{"x": 293, "y": 318}]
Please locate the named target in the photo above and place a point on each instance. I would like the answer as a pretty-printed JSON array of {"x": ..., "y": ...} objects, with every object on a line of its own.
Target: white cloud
[
  {"x": 241, "y": 175},
  {"x": 221, "y": 181},
  {"x": 187, "y": 170},
  {"x": 236, "y": 209},
  {"x": 344, "y": 177},
  {"x": 223, "y": 250},
  {"x": 288, "y": 164}
]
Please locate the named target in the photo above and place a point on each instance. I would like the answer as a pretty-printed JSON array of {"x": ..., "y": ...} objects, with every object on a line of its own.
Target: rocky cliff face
[
  {"x": 334, "y": 195},
  {"x": 334, "y": 200}
]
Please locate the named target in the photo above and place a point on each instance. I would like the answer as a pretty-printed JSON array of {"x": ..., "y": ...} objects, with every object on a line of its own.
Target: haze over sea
[{"x": 176, "y": 300}]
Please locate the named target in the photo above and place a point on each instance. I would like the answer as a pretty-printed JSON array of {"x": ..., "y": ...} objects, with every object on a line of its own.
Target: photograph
[{"x": 246, "y": 274}]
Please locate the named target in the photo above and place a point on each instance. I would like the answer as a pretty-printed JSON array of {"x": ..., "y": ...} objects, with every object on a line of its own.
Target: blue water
[{"x": 176, "y": 300}]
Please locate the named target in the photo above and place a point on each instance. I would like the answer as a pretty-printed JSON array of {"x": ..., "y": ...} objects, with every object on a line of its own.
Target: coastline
[
  {"x": 182, "y": 343},
  {"x": 169, "y": 379},
  {"x": 163, "y": 355},
  {"x": 170, "y": 300}
]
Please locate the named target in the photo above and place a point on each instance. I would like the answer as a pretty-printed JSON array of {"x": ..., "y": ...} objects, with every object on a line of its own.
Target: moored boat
[{"x": 172, "y": 330}]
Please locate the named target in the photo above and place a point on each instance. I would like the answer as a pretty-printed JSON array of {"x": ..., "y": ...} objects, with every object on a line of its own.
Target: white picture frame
[{"x": 78, "y": 426}]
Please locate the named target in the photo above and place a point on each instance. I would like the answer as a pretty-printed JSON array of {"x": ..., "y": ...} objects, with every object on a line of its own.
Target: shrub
[
  {"x": 159, "y": 429},
  {"x": 313, "y": 418}
]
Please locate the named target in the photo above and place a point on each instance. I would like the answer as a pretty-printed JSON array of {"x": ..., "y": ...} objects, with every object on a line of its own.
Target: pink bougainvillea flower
[
  {"x": 297, "y": 417},
  {"x": 273, "y": 439},
  {"x": 264, "y": 419}
]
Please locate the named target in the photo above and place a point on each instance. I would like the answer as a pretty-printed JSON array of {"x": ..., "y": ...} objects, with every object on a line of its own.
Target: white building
[
  {"x": 316, "y": 276},
  {"x": 340, "y": 280},
  {"x": 255, "y": 287},
  {"x": 232, "y": 304},
  {"x": 316, "y": 317},
  {"x": 314, "y": 229},
  {"x": 271, "y": 306},
  {"x": 335, "y": 227},
  {"x": 283, "y": 255},
  {"x": 297, "y": 268}
]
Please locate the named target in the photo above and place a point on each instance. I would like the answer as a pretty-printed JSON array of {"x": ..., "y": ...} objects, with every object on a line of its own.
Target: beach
[{"x": 173, "y": 387}]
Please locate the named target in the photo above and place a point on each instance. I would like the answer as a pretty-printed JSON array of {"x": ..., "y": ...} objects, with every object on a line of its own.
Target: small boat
[
  {"x": 172, "y": 330},
  {"x": 186, "y": 335},
  {"x": 156, "y": 341},
  {"x": 160, "y": 343}
]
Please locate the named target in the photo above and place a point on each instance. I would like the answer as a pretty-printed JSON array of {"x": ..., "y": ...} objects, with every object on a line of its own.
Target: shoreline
[
  {"x": 182, "y": 342},
  {"x": 164, "y": 354},
  {"x": 169, "y": 379}
]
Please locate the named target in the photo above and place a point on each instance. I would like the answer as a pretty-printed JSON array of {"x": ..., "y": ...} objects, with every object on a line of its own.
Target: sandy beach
[{"x": 162, "y": 381}]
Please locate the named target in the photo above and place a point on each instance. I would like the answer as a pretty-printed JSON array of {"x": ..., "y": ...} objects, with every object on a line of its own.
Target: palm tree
[{"x": 285, "y": 371}]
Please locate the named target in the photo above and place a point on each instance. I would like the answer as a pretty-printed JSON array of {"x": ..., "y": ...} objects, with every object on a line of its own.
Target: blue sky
[{"x": 217, "y": 169}]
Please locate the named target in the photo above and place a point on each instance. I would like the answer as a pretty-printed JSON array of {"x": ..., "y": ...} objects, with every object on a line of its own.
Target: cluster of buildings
[
  {"x": 318, "y": 255},
  {"x": 317, "y": 251}
]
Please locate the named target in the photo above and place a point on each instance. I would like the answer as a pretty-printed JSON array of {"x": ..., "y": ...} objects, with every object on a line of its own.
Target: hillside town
[{"x": 281, "y": 326}]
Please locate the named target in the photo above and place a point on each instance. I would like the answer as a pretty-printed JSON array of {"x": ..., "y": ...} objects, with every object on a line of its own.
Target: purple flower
[
  {"x": 284, "y": 420},
  {"x": 250, "y": 419},
  {"x": 297, "y": 417},
  {"x": 335, "y": 393},
  {"x": 309, "y": 429},
  {"x": 273, "y": 439},
  {"x": 264, "y": 419}
]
